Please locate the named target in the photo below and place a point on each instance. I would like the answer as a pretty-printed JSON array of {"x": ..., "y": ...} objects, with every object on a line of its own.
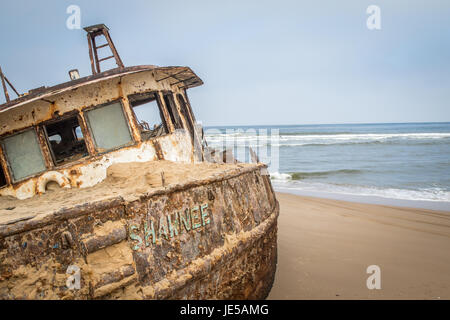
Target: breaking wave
[
  {"x": 305, "y": 175},
  {"x": 325, "y": 139},
  {"x": 402, "y": 161},
  {"x": 283, "y": 181}
]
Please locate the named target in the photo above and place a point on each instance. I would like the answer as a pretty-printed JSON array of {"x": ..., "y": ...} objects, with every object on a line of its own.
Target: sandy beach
[{"x": 325, "y": 247}]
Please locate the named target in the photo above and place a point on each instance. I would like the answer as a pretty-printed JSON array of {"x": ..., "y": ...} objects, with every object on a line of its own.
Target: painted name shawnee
[{"x": 169, "y": 226}]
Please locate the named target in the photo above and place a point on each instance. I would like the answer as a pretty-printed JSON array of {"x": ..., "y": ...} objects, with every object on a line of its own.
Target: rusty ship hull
[
  {"x": 98, "y": 203},
  {"x": 207, "y": 239}
]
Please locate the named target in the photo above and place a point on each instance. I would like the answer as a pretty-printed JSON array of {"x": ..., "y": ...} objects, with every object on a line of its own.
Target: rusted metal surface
[
  {"x": 11, "y": 85},
  {"x": 208, "y": 239},
  {"x": 113, "y": 48},
  {"x": 45, "y": 149},
  {"x": 96, "y": 242},
  {"x": 91, "y": 53},
  {"x": 94, "y": 32},
  {"x": 99, "y": 77},
  {"x": 4, "y": 166},
  {"x": 5, "y": 90},
  {"x": 165, "y": 112},
  {"x": 86, "y": 133},
  {"x": 77, "y": 102},
  {"x": 88, "y": 172}
]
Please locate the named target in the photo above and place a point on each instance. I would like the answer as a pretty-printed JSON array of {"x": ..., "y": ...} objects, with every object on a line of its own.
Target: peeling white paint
[
  {"x": 175, "y": 147},
  {"x": 37, "y": 111}
]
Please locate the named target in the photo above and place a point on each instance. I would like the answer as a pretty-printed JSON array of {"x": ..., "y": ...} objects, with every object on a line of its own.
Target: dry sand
[
  {"x": 128, "y": 180},
  {"x": 325, "y": 247}
]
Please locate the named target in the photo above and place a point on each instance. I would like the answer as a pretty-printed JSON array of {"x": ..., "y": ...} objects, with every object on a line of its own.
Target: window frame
[
  {"x": 43, "y": 126},
  {"x": 7, "y": 159},
  {"x": 160, "y": 110},
  {"x": 171, "y": 105},
  {"x": 4, "y": 167},
  {"x": 91, "y": 133}
]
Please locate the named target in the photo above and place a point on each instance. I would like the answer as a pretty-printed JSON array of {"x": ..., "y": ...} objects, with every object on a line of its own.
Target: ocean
[{"x": 397, "y": 161}]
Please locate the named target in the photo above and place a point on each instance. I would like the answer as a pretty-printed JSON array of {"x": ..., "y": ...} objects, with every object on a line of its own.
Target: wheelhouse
[{"x": 71, "y": 133}]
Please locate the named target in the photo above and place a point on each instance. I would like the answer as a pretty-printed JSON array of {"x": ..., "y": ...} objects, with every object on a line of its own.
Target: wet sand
[{"x": 325, "y": 247}]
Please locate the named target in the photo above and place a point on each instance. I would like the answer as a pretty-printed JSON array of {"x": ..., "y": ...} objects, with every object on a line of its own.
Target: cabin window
[
  {"x": 65, "y": 145},
  {"x": 185, "y": 111},
  {"x": 173, "y": 112},
  {"x": 109, "y": 127},
  {"x": 24, "y": 154},
  {"x": 148, "y": 114}
]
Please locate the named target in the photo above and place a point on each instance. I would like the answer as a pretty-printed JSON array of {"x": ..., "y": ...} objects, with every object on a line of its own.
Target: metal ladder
[{"x": 96, "y": 31}]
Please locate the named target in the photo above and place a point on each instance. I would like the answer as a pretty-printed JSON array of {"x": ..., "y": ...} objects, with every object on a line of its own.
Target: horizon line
[{"x": 321, "y": 124}]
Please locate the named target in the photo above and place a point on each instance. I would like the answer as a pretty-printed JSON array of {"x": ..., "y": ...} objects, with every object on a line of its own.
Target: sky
[{"x": 263, "y": 62}]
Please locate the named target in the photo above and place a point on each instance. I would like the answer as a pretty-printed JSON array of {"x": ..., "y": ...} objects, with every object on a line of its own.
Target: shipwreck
[{"x": 99, "y": 202}]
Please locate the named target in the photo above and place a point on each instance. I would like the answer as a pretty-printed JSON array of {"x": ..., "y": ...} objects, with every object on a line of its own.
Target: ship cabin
[{"x": 69, "y": 134}]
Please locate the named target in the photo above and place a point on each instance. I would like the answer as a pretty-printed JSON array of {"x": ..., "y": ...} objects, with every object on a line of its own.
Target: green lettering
[
  {"x": 135, "y": 237},
  {"x": 195, "y": 217},
  {"x": 185, "y": 220},
  {"x": 173, "y": 227},
  {"x": 205, "y": 215},
  {"x": 149, "y": 232},
  {"x": 162, "y": 228}
]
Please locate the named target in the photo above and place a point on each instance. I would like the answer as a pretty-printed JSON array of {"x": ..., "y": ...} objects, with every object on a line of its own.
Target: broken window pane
[
  {"x": 148, "y": 114},
  {"x": 78, "y": 133},
  {"x": 109, "y": 127},
  {"x": 184, "y": 110},
  {"x": 24, "y": 154},
  {"x": 56, "y": 138},
  {"x": 173, "y": 112},
  {"x": 64, "y": 142}
]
